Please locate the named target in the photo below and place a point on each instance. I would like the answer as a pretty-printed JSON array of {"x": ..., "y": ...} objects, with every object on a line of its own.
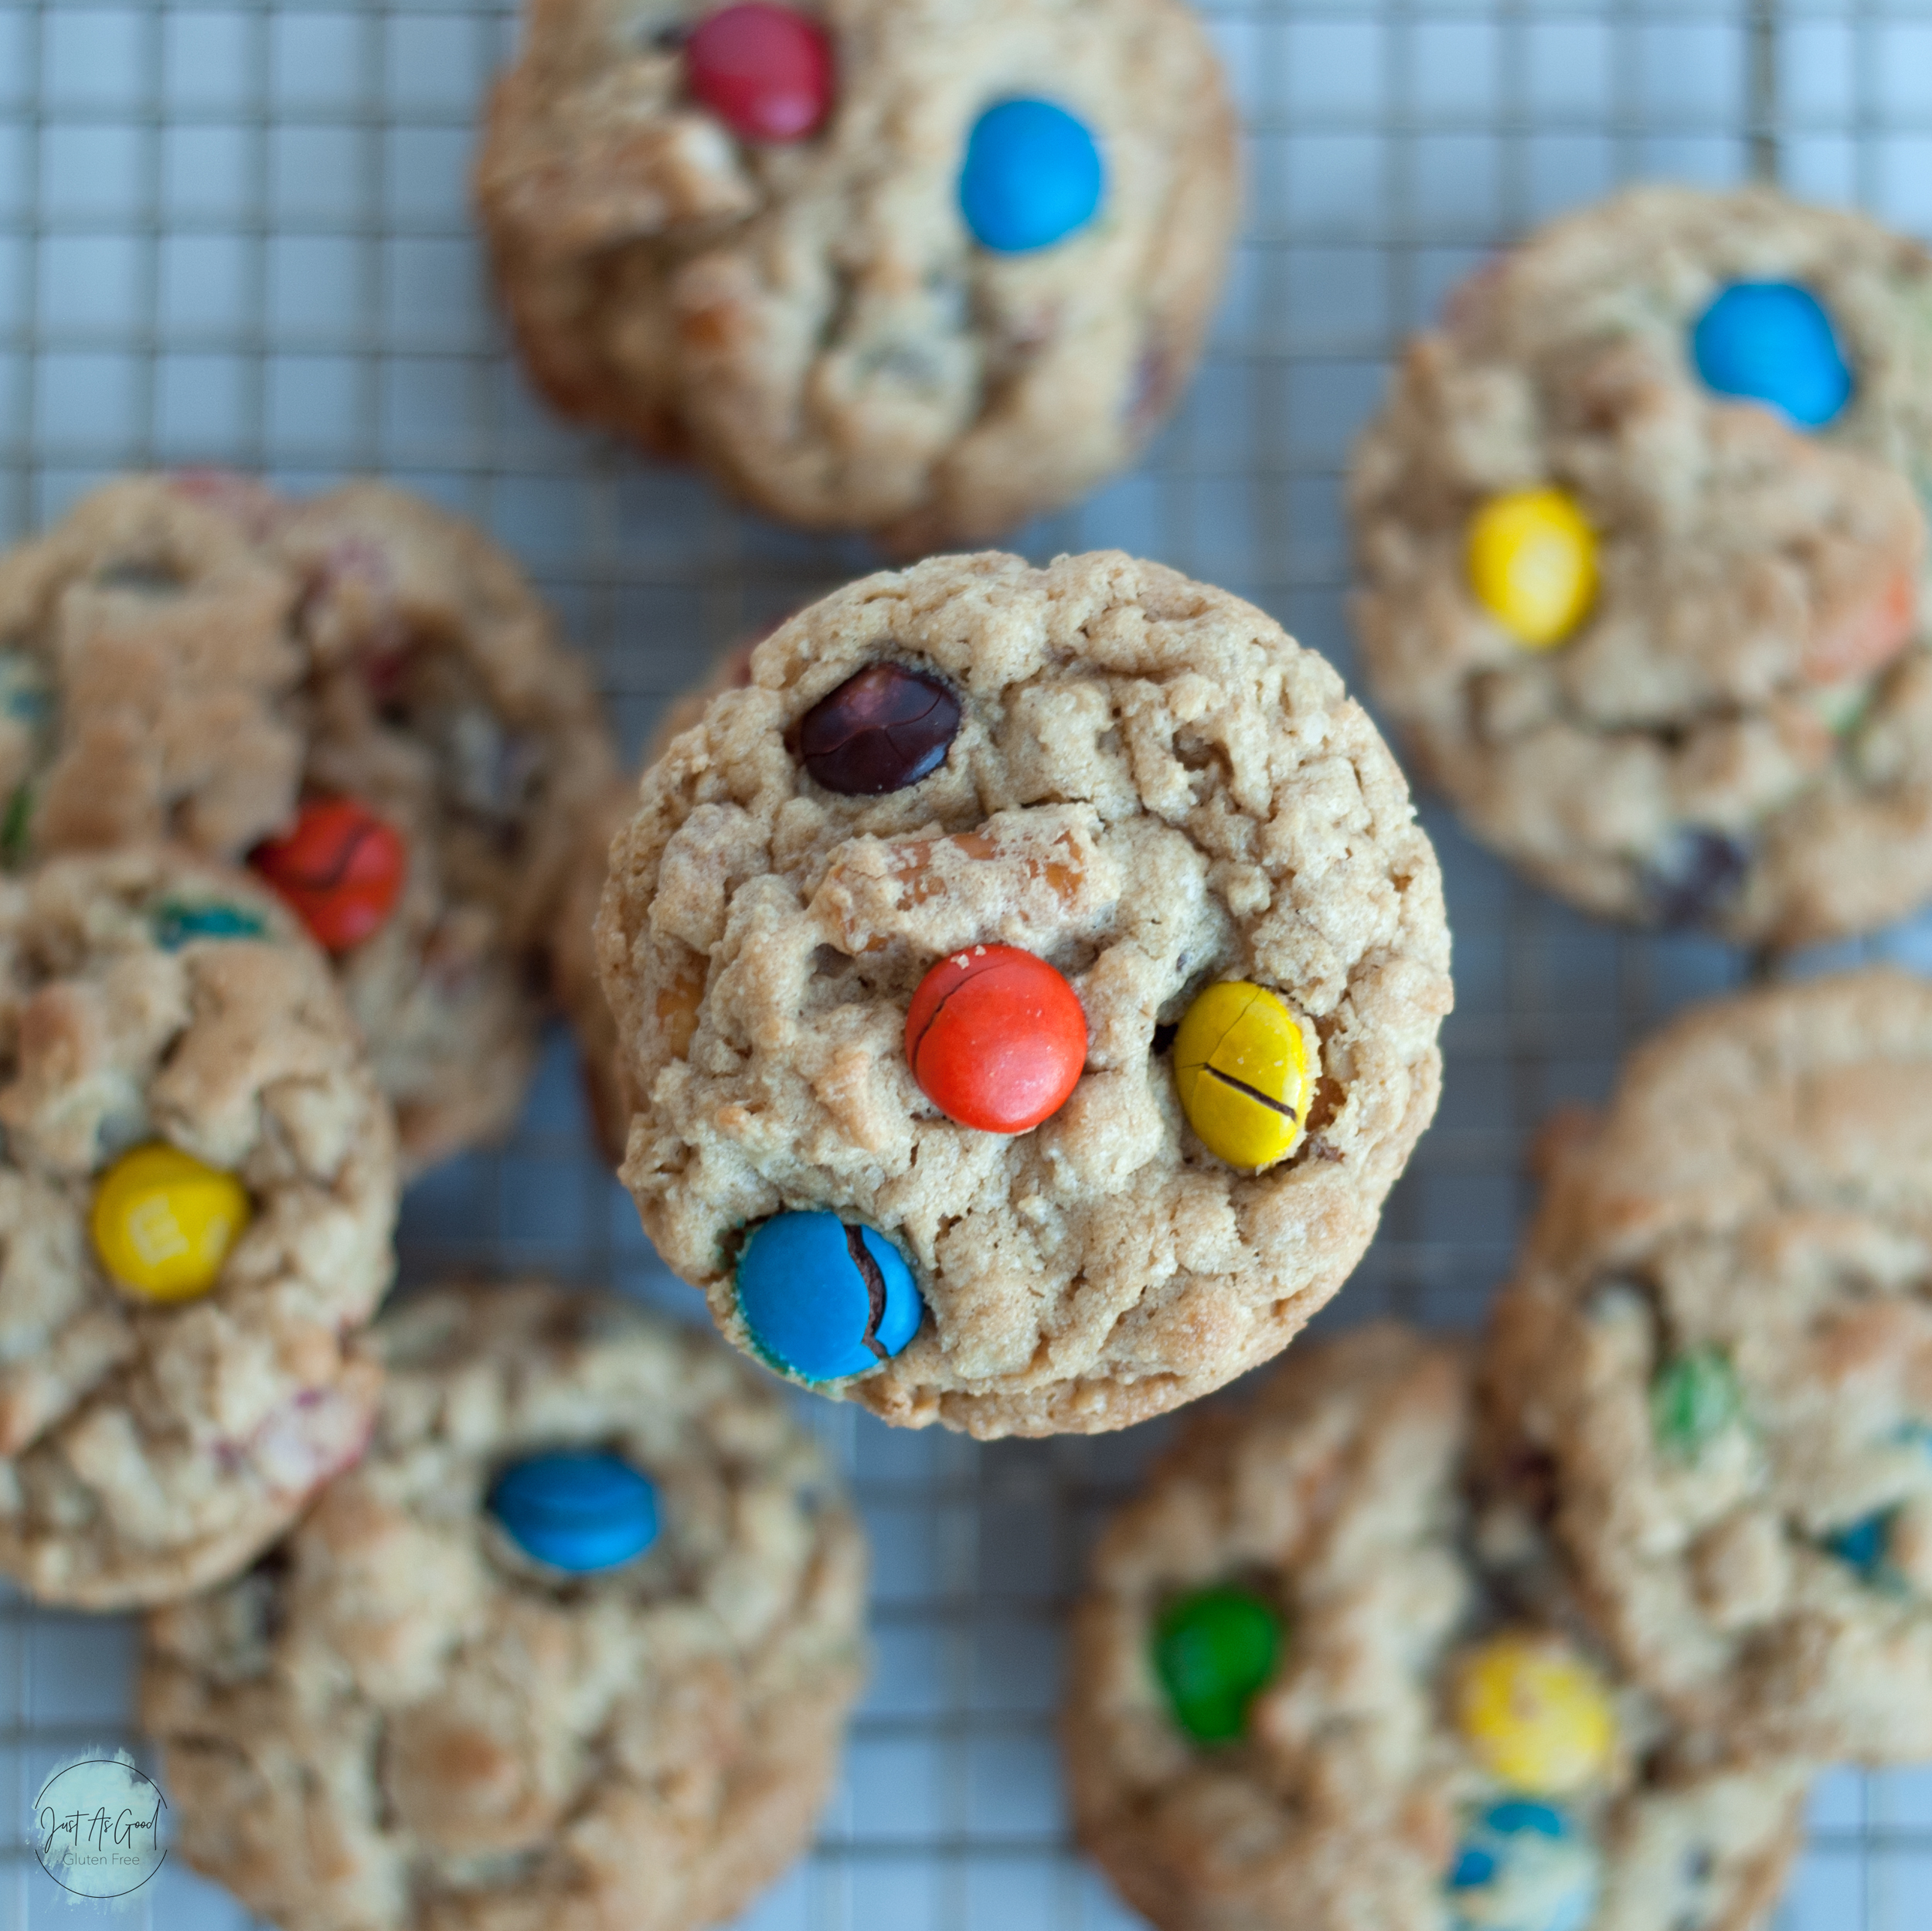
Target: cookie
[
  {"x": 1720, "y": 1336},
  {"x": 574, "y": 983},
  {"x": 148, "y": 667},
  {"x": 1324, "y": 1677},
  {"x": 358, "y": 693},
  {"x": 573, "y": 1646},
  {"x": 886, "y": 265},
  {"x": 1642, "y": 548},
  {"x": 196, "y": 1201},
  {"x": 1149, "y": 792},
  {"x": 439, "y": 698}
]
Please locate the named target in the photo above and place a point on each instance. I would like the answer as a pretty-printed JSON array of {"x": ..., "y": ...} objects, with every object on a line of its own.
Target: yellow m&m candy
[
  {"x": 1241, "y": 1068},
  {"x": 1532, "y": 565},
  {"x": 163, "y": 1223},
  {"x": 1537, "y": 1717}
]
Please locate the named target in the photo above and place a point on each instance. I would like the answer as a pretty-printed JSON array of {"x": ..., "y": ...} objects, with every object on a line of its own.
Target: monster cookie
[
  {"x": 148, "y": 668},
  {"x": 458, "y": 751},
  {"x": 890, "y": 265},
  {"x": 1641, "y": 542},
  {"x": 1719, "y": 1337},
  {"x": 198, "y": 1190},
  {"x": 904, "y": 939},
  {"x": 571, "y": 1648},
  {"x": 1325, "y": 1677}
]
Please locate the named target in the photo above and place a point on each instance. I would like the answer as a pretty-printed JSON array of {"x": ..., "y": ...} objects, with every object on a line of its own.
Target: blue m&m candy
[
  {"x": 176, "y": 923},
  {"x": 1772, "y": 342},
  {"x": 576, "y": 1510},
  {"x": 1864, "y": 1545},
  {"x": 1032, "y": 176},
  {"x": 824, "y": 1299},
  {"x": 1523, "y": 1867}
]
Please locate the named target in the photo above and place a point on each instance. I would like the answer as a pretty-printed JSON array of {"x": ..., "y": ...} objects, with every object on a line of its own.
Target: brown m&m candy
[{"x": 880, "y": 731}]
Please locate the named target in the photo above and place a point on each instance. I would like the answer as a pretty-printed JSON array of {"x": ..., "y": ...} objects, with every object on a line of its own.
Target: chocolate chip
[
  {"x": 1693, "y": 875},
  {"x": 880, "y": 731}
]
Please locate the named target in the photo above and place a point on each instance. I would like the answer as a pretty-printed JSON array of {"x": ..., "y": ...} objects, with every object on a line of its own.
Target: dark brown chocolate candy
[
  {"x": 1695, "y": 874},
  {"x": 880, "y": 731}
]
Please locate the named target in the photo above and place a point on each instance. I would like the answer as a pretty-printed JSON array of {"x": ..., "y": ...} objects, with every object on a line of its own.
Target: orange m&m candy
[
  {"x": 996, "y": 1039},
  {"x": 341, "y": 868}
]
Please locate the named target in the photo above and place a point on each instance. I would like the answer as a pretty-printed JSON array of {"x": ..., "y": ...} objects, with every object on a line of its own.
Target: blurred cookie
[
  {"x": 1642, "y": 545},
  {"x": 148, "y": 668},
  {"x": 196, "y": 1202},
  {"x": 887, "y": 265},
  {"x": 1323, "y": 1679},
  {"x": 359, "y": 693},
  {"x": 440, "y": 700},
  {"x": 572, "y": 1647},
  {"x": 1719, "y": 1337},
  {"x": 1029, "y": 986}
]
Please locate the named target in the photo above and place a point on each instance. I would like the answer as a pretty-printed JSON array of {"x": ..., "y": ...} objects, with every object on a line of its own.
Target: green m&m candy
[
  {"x": 1694, "y": 1398},
  {"x": 1213, "y": 1652}
]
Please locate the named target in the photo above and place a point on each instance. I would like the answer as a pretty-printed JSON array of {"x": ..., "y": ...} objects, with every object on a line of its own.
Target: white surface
[{"x": 238, "y": 235}]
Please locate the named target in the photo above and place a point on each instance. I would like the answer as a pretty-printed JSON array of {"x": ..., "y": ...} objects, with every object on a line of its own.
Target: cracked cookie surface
[
  {"x": 1737, "y": 731},
  {"x": 401, "y": 1723},
  {"x": 1347, "y": 1497},
  {"x": 813, "y": 319},
  {"x": 1720, "y": 1335},
  {"x": 1152, "y": 787},
  {"x": 149, "y": 1449}
]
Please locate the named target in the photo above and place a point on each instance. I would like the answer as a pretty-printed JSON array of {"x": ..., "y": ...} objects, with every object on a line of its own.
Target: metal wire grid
[{"x": 237, "y": 233}]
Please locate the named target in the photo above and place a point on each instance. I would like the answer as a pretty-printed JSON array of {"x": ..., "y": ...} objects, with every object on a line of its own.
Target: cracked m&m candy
[
  {"x": 341, "y": 869},
  {"x": 1772, "y": 342},
  {"x": 1032, "y": 176},
  {"x": 1214, "y": 1652},
  {"x": 1535, "y": 1715},
  {"x": 1241, "y": 1069},
  {"x": 883, "y": 729},
  {"x": 824, "y": 1298},
  {"x": 996, "y": 1039},
  {"x": 164, "y": 1223},
  {"x": 764, "y": 71},
  {"x": 1532, "y": 565},
  {"x": 576, "y": 1510}
]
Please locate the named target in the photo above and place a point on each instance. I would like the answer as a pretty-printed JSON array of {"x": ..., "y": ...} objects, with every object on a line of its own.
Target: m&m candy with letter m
[{"x": 164, "y": 1223}]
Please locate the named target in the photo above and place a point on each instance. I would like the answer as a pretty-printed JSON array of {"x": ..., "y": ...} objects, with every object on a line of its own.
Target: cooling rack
[{"x": 237, "y": 234}]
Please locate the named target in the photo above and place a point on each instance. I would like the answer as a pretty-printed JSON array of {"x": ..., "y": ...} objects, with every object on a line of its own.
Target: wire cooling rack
[{"x": 238, "y": 234}]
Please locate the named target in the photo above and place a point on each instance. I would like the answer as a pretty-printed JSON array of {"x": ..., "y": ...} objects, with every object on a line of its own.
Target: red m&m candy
[
  {"x": 341, "y": 868},
  {"x": 996, "y": 1039},
  {"x": 764, "y": 71}
]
